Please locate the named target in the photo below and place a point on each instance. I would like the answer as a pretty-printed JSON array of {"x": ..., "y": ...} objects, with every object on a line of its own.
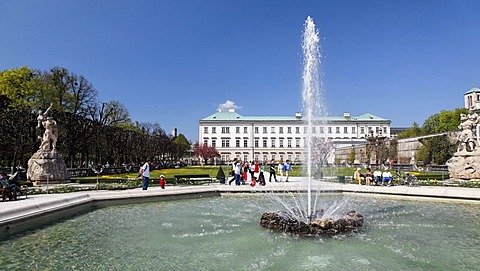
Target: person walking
[
  {"x": 162, "y": 181},
  {"x": 272, "y": 171},
  {"x": 234, "y": 162},
  {"x": 238, "y": 169},
  {"x": 280, "y": 169},
  {"x": 145, "y": 172},
  {"x": 287, "y": 168}
]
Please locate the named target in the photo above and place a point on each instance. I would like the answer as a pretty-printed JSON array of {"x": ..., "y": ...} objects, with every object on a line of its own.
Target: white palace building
[{"x": 263, "y": 138}]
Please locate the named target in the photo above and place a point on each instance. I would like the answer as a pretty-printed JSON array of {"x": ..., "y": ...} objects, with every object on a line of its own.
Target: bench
[
  {"x": 9, "y": 194},
  {"x": 192, "y": 178}
]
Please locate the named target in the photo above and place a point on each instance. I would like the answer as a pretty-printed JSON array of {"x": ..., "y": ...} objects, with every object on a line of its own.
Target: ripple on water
[{"x": 317, "y": 261}]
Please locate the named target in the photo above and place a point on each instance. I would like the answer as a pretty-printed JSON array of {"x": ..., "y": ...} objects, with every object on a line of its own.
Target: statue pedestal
[
  {"x": 47, "y": 165},
  {"x": 464, "y": 165}
]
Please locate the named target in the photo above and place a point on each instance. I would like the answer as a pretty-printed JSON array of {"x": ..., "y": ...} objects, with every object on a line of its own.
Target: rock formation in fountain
[
  {"x": 47, "y": 163},
  {"x": 465, "y": 163},
  {"x": 281, "y": 221}
]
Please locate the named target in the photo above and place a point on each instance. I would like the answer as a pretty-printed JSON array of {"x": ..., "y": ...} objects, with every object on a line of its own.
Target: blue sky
[{"x": 174, "y": 62}]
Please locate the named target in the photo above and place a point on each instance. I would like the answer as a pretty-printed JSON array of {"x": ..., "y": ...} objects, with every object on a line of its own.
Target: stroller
[{"x": 411, "y": 180}]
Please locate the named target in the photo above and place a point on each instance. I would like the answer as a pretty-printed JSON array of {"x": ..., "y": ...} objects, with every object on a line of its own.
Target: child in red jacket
[{"x": 162, "y": 181}]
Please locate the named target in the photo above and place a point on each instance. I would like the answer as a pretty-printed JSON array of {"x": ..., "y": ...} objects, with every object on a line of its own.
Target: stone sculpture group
[
  {"x": 465, "y": 163},
  {"x": 47, "y": 163}
]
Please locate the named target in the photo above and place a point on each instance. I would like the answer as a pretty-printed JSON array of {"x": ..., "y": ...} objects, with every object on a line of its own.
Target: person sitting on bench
[
  {"x": 10, "y": 188},
  {"x": 387, "y": 178}
]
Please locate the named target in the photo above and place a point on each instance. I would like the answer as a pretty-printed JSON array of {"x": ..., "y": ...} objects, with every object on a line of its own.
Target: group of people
[
  {"x": 253, "y": 171},
  {"x": 385, "y": 177},
  {"x": 282, "y": 168},
  {"x": 144, "y": 172}
]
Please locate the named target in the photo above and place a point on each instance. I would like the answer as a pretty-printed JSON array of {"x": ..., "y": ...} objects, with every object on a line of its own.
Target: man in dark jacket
[{"x": 272, "y": 171}]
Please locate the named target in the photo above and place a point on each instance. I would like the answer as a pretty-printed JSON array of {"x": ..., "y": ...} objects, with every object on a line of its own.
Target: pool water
[{"x": 223, "y": 233}]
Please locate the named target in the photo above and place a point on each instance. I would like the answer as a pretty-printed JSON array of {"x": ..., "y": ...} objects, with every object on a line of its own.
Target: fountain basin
[{"x": 223, "y": 233}]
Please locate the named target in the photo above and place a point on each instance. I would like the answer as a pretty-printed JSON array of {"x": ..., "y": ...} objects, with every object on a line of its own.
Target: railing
[
  {"x": 89, "y": 172},
  {"x": 434, "y": 168}
]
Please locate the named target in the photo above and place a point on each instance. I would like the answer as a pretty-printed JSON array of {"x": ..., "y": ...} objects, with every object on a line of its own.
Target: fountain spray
[{"x": 311, "y": 93}]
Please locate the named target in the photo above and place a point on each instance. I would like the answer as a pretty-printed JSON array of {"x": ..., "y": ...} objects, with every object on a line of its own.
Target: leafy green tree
[
  {"x": 183, "y": 144},
  {"x": 413, "y": 131},
  {"x": 351, "y": 156},
  {"x": 19, "y": 86},
  {"x": 444, "y": 121},
  {"x": 90, "y": 131},
  {"x": 439, "y": 149}
]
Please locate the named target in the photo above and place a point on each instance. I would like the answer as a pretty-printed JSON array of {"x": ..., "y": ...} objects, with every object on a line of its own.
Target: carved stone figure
[
  {"x": 49, "y": 140},
  {"x": 465, "y": 163},
  {"x": 467, "y": 136},
  {"x": 42, "y": 116},
  {"x": 47, "y": 163}
]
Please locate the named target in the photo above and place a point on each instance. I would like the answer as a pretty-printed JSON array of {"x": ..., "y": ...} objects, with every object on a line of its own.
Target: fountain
[{"x": 311, "y": 222}]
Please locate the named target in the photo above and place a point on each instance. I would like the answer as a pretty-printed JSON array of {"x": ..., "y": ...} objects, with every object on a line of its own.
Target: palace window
[{"x": 225, "y": 142}]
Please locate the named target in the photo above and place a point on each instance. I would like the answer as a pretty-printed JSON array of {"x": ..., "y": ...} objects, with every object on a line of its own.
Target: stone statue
[
  {"x": 47, "y": 163},
  {"x": 467, "y": 136},
  {"x": 50, "y": 135},
  {"x": 42, "y": 116},
  {"x": 465, "y": 163}
]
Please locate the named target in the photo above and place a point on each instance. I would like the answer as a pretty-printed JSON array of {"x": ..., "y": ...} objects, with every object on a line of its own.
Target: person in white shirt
[
  {"x": 377, "y": 176},
  {"x": 387, "y": 178},
  {"x": 145, "y": 172},
  {"x": 280, "y": 170}
]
